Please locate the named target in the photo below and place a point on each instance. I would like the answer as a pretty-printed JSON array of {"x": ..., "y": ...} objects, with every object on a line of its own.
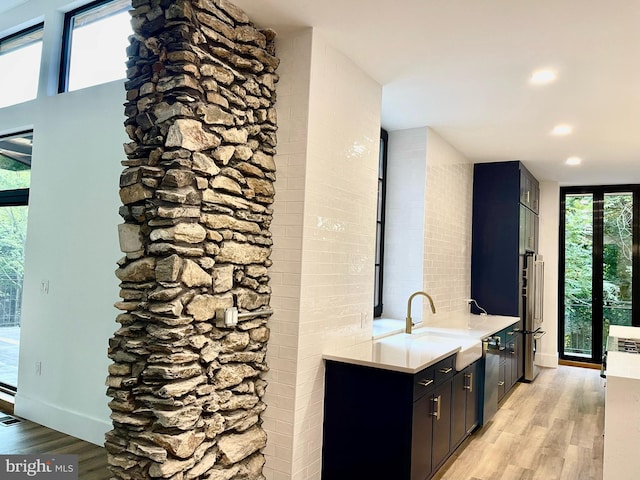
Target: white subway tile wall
[
  {"x": 448, "y": 212},
  {"x": 293, "y": 111},
  {"x": 428, "y": 224},
  {"x": 325, "y": 212},
  {"x": 404, "y": 221}
]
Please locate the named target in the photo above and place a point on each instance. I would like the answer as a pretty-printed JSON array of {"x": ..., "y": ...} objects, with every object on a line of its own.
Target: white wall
[
  {"x": 404, "y": 220},
  {"x": 549, "y": 216},
  {"x": 294, "y": 50},
  {"x": 447, "y": 236},
  {"x": 330, "y": 198},
  {"x": 428, "y": 224},
  {"x": 71, "y": 240}
]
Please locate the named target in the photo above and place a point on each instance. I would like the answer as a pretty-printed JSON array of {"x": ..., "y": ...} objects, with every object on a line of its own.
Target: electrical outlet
[
  {"x": 364, "y": 318},
  {"x": 44, "y": 286},
  {"x": 38, "y": 368}
]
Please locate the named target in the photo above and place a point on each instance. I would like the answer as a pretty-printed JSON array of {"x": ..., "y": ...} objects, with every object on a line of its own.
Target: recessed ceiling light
[
  {"x": 543, "y": 76},
  {"x": 562, "y": 129},
  {"x": 573, "y": 161}
]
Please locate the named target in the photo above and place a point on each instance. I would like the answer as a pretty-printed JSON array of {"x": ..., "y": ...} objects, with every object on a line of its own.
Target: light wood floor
[
  {"x": 30, "y": 438},
  {"x": 549, "y": 429}
]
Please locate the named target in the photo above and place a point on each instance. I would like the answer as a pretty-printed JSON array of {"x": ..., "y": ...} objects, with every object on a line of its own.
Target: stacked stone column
[{"x": 197, "y": 187}]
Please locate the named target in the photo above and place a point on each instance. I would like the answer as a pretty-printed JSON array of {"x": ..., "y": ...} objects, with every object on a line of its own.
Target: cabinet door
[
  {"x": 441, "y": 423},
  {"x": 422, "y": 435},
  {"x": 472, "y": 386},
  {"x": 459, "y": 408},
  {"x": 511, "y": 366},
  {"x": 525, "y": 188},
  {"x": 522, "y": 232},
  {"x": 502, "y": 376},
  {"x": 535, "y": 196}
]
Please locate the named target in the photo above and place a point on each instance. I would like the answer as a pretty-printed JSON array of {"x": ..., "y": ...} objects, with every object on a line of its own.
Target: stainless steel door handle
[
  {"x": 446, "y": 370},
  {"x": 500, "y": 384},
  {"x": 470, "y": 386},
  {"x": 437, "y": 400},
  {"x": 539, "y": 334},
  {"x": 425, "y": 382}
]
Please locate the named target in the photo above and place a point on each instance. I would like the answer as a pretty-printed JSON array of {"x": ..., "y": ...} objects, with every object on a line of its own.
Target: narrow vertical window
[
  {"x": 15, "y": 179},
  {"x": 20, "y": 56},
  {"x": 95, "y": 41},
  {"x": 382, "y": 168}
]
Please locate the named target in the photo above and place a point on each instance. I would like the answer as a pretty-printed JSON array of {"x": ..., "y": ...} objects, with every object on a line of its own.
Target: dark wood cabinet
[
  {"x": 512, "y": 352},
  {"x": 503, "y": 228},
  {"x": 466, "y": 402},
  {"x": 381, "y": 424},
  {"x": 506, "y": 201},
  {"x": 441, "y": 444},
  {"x": 422, "y": 438}
]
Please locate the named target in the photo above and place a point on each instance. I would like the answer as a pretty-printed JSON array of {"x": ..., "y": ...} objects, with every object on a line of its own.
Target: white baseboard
[
  {"x": 547, "y": 360},
  {"x": 72, "y": 423}
]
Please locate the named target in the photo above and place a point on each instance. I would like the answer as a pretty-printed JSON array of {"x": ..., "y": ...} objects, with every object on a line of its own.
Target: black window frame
[
  {"x": 598, "y": 192},
  {"x": 18, "y": 197},
  {"x": 380, "y": 223},
  {"x": 21, "y": 33},
  {"x": 67, "y": 29}
]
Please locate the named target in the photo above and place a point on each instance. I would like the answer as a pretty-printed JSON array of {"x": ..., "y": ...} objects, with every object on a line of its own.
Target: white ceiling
[
  {"x": 6, "y": 5},
  {"x": 462, "y": 67}
]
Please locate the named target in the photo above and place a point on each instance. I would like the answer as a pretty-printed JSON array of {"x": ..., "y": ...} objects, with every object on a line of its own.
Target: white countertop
[
  {"x": 440, "y": 337},
  {"x": 622, "y": 331},
  {"x": 623, "y": 365},
  {"x": 467, "y": 325},
  {"x": 401, "y": 353}
]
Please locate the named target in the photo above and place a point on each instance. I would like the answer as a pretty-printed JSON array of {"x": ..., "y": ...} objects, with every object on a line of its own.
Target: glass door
[
  {"x": 578, "y": 284},
  {"x": 599, "y": 250},
  {"x": 617, "y": 261},
  {"x": 13, "y": 231},
  {"x": 15, "y": 176}
]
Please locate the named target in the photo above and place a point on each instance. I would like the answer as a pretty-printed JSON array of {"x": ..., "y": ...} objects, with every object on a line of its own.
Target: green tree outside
[
  {"x": 13, "y": 229},
  {"x": 617, "y": 267}
]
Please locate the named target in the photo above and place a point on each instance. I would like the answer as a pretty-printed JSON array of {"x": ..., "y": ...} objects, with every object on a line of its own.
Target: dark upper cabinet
[{"x": 505, "y": 225}]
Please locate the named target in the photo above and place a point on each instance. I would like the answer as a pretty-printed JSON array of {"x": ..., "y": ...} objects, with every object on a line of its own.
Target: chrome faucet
[{"x": 409, "y": 324}]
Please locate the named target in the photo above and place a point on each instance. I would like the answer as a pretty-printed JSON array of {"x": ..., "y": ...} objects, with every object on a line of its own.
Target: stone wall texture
[{"x": 197, "y": 188}]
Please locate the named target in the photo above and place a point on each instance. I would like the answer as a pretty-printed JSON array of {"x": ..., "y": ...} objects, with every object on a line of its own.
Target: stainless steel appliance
[
  {"x": 532, "y": 303},
  {"x": 626, "y": 345},
  {"x": 491, "y": 350}
]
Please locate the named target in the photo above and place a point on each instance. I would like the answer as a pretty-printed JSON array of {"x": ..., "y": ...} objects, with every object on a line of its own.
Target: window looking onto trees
[
  {"x": 20, "y": 55},
  {"x": 599, "y": 248},
  {"x": 94, "y": 44},
  {"x": 15, "y": 178}
]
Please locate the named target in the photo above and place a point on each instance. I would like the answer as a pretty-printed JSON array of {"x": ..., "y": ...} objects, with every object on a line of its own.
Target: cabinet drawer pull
[
  {"x": 500, "y": 384},
  {"x": 437, "y": 400},
  {"x": 425, "y": 382},
  {"x": 446, "y": 370},
  {"x": 470, "y": 386}
]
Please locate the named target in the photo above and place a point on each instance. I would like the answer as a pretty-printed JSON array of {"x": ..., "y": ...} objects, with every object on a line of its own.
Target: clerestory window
[
  {"x": 20, "y": 55},
  {"x": 95, "y": 40}
]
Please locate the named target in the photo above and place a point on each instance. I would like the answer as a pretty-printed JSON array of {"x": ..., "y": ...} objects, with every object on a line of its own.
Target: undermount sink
[{"x": 470, "y": 348}]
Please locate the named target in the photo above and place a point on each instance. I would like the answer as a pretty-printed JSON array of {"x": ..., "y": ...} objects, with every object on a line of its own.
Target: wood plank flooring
[
  {"x": 551, "y": 429},
  {"x": 30, "y": 438}
]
